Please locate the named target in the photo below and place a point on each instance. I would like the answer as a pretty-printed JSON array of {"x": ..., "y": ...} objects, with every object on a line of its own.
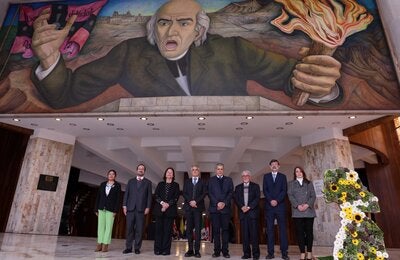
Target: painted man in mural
[{"x": 181, "y": 59}]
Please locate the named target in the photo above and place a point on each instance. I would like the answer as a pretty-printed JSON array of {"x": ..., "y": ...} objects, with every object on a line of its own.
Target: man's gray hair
[
  {"x": 246, "y": 172},
  {"x": 202, "y": 26}
]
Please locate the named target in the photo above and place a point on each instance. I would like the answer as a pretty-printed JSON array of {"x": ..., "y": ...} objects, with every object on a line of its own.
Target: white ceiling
[{"x": 121, "y": 142}]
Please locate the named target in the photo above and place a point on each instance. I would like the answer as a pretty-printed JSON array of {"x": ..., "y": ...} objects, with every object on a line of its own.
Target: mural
[{"x": 265, "y": 48}]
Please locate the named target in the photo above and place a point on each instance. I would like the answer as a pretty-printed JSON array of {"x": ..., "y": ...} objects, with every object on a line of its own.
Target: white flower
[
  {"x": 379, "y": 254},
  {"x": 374, "y": 198},
  {"x": 385, "y": 255}
]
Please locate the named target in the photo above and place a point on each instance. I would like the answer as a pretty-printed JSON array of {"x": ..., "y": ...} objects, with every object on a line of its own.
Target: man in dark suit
[
  {"x": 275, "y": 190},
  {"x": 220, "y": 191},
  {"x": 209, "y": 65},
  {"x": 137, "y": 203},
  {"x": 194, "y": 191},
  {"x": 247, "y": 197}
]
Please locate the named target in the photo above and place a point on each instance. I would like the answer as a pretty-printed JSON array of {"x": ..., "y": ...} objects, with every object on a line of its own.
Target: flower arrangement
[{"x": 358, "y": 237}]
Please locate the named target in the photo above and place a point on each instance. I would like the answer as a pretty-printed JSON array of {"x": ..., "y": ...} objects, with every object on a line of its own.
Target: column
[
  {"x": 326, "y": 149},
  {"x": 34, "y": 210}
]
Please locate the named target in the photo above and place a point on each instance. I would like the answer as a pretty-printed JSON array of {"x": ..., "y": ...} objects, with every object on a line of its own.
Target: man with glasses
[
  {"x": 194, "y": 191},
  {"x": 247, "y": 197}
]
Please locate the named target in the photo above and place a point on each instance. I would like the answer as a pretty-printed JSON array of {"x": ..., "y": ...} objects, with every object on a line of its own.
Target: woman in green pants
[{"x": 107, "y": 205}]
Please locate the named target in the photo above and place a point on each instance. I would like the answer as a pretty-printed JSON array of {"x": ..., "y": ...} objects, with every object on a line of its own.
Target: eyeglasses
[{"x": 194, "y": 170}]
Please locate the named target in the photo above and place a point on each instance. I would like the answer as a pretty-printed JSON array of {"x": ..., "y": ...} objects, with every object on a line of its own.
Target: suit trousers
[
  {"x": 304, "y": 233},
  {"x": 193, "y": 220},
  {"x": 163, "y": 234},
  {"x": 134, "y": 229},
  {"x": 249, "y": 230},
  {"x": 220, "y": 224},
  {"x": 280, "y": 216}
]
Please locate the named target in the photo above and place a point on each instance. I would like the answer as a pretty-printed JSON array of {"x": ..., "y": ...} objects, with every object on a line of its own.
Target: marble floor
[{"x": 25, "y": 246}]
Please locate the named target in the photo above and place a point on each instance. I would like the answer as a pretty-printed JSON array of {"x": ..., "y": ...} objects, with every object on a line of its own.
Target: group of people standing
[{"x": 220, "y": 190}]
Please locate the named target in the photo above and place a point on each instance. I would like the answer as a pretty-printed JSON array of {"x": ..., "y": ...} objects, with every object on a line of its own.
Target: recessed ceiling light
[
  {"x": 201, "y": 124},
  {"x": 321, "y": 127},
  {"x": 33, "y": 124},
  {"x": 120, "y": 129},
  {"x": 100, "y": 119},
  {"x": 110, "y": 124},
  {"x": 336, "y": 123},
  {"x": 86, "y": 129},
  {"x": 289, "y": 123},
  {"x": 57, "y": 119},
  {"x": 156, "y": 128},
  {"x": 150, "y": 124},
  {"x": 279, "y": 128},
  {"x": 16, "y": 119},
  {"x": 249, "y": 117},
  {"x": 244, "y": 123},
  {"x": 201, "y": 118},
  {"x": 143, "y": 118},
  {"x": 239, "y": 128},
  {"x": 352, "y": 117},
  {"x": 299, "y": 117},
  {"x": 201, "y": 128},
  {"x": 72, "y": 124}
]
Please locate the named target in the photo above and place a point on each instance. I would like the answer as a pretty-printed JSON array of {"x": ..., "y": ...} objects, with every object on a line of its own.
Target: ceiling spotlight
[
  {"x": 279, "y": 128},
  {"x": 239, "y": 128},
  {"x": 201, "y": 128},
  {"x": 72, "y": 124},
  {"x": 249, "y": 117},
  {"x": 143, "y": 118},
  {"x": 150, "y": 124},
  {"x": 33, "y": 124},
  {"x": 336, "y": 123},
  {"x": 299, "y": 117},
  {"x": 201, "y": 118},
  {"x": 156, "y": 128},
  {"x": 289, "y": 123},
  {"x": 110, "y": 124},
  {"x": 320, "y": 127},
  {"x": 57, "y": 119},
  {"x": 244, "y": 123},
  {"x": 201, "y": 124},
  {"x": 120, "y": 129},
  {"x": 352, "y": 117},
  {"x": 16, "y": 119},
  {"x": 100, "y": 119},
  {"x": 86, "y": 129}
]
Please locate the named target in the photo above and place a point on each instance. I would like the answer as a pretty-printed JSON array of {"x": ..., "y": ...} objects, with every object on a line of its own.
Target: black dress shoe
[
  {"x": 270, "y": 257},
  {"x": 285, "y": 257},
  {"x": 137, "y": 251},
  {"x": 166, "y": 253},
  {"x": 245, "y": 257},
  {"x": 256, "y": 257},
  {"x": 189, "y": 253},
  {"x": 127, "y": 251},
  {"x": 216, "y": 255},
  {"x": 197, "y": 255},
  {"x": 227, "y": 255},
  {"x": 157, "y": 252}
]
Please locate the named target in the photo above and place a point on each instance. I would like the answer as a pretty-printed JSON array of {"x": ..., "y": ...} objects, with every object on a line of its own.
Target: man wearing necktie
[
  {"x": 275, "y": 190},
  {"x": 247, "y": 197},
  {"x": 220, "y": 191},
  {"x": 194, "y": 192},
  {"x": 137, "y": 203}
]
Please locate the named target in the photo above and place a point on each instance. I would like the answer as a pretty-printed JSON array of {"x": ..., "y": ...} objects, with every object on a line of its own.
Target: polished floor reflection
[{"x": 23, "y": 246}]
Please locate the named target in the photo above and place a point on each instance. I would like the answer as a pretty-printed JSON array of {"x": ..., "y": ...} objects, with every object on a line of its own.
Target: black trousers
[
  {"x": 134, "y": 229},
  {"x": 163, "y": 235},
  {"x": 193, "y": 220},
  {"x": 304, "y": 233},
  {"x": 249, "y": 229},
  {"x": 220, "y": 224}
]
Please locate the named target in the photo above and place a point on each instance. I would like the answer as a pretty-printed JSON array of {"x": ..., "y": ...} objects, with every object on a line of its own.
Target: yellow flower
[
  {"x": 372, "y": 250},
  {"x": 344, "y": 194},
  {"x": 357, "y": 186},
  {"x": 379, "y": 258},
  {"x": 334, "y": 188},
  {"x": 355, "y": 234},
  {"x": 360, "y": 256},
  {"x": 341, "y": 181},
  {"x": 339, "y": 254},
  {"x": 355, "y": 242},
  {"x": 362, "y": 194},
  {"x": 357, "y": 218}
]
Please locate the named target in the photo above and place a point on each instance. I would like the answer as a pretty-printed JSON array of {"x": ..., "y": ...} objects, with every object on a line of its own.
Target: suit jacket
[
  {"x": 253, "y": 200},
  {"x": 219, "y": 67},
  {"x": 200, "y": 192},
  {"x": 138, "y": 197},
  {"x": 217, "y": 194},
  {"x": 275, "y": 191},
  {"x": 111, "y": 201},
  {"x": 300, "y": 194},
  {"x": 171, "y": 198}
]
